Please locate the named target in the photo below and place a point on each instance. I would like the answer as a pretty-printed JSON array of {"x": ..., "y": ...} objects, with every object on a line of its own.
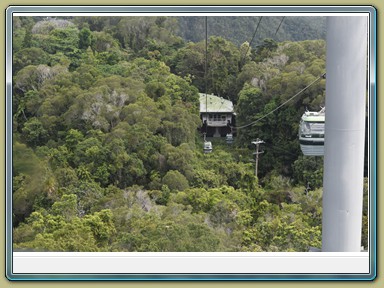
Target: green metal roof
[{"x": 212, "y": 103}]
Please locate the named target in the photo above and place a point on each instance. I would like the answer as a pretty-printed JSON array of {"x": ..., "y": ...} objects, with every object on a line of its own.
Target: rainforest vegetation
[{"x": 107, "y": 152}]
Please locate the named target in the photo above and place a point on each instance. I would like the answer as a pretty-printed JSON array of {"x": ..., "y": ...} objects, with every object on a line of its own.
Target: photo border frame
[{"x": 198, "y": 9}]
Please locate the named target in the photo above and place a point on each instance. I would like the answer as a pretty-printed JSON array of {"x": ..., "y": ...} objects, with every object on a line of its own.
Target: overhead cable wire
[
  {"x": 278, "y": 149},
  {"x": 253, "y": 37},
  {"x": 279, "y": 25},
  {"x": 281, "y": 105}
]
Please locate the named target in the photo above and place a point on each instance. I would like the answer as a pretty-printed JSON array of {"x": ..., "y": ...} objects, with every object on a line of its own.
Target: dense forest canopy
[{"x": 106, "y": 144}]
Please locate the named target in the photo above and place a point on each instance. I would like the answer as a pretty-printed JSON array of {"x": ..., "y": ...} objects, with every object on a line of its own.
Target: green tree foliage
[
  {"x": 85, "y": 38},
  {"x": 175, "y": 181},
  {"x": 152, "y": 37},
  {"x": 265, "y": 50},
  {"x": 19, "y": 33},
  {"x": 284, "y": 229},
  {"x": 190, "y": 61},
  {"x": 366, "y": 224},
  {"x": 155, "y": 89},
  {"x": 62, "y": 230},
  {"x": 222, "y": 60},
  {"x": 64, "y": 40},
  {"x": 250, "y": 98},
  {"x": 29, "y": 56},
  {"x": 34, "y": 132},
  {"x": 279, "y": 73},
  {"x": 30, "y": 176},
  {"x": 172, "y": 230},
  {"x": 27, "y": 79},
  {"x": 309, "y": 171}
]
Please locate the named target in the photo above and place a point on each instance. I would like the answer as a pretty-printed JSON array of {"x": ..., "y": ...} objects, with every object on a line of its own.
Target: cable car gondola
[
  {"x": 311, "y": 133},
  {"x": 207, "y": 148},
  {"x": 229, "y": 138}
]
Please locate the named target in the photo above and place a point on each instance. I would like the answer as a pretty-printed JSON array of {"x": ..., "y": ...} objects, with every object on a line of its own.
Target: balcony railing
[{"x": 217, "y": 123}]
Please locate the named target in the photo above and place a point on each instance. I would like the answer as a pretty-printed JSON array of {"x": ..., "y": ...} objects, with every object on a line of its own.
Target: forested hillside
[
  {"x": 239, "y": 29},
  {"x": 107, "y": 153}
]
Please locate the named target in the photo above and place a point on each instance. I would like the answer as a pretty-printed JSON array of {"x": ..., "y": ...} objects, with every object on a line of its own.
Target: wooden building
[{"x": 217, "y": 115}]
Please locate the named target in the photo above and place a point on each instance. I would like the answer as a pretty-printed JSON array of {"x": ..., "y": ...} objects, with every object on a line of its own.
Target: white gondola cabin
[
  {"x": 311, "y": 133},
  {"x": 207, "y": 148},
  {"x": 229, "y": 138}
]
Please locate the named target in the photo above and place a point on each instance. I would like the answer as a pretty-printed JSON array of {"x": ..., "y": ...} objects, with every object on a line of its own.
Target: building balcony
[{"x": 217, "y": 123}]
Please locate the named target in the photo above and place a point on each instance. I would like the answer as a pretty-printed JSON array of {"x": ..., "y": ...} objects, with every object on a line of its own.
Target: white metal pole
[{"x": 344, "y": 133}]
